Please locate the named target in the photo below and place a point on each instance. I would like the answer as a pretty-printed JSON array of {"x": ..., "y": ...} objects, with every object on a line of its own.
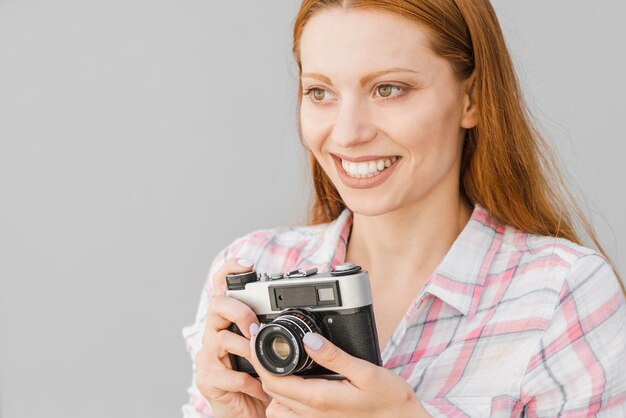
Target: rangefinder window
[{"x": 326, "y": 294}]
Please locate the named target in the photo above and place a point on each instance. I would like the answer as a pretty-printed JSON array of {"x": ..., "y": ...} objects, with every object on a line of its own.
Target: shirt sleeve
[
  {"x": 578, "y": 367},
  {"x": 198, "y": 406}
]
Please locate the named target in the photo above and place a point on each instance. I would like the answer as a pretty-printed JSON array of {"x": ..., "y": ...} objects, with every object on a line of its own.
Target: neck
[{"x": 406, "y": 245}]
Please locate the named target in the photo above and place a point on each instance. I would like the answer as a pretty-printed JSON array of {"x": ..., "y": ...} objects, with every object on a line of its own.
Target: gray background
[{"x": 138, "y": 138}]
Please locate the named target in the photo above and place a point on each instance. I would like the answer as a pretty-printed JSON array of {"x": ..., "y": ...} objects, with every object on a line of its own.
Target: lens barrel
[{"x": 279, "y": 345}]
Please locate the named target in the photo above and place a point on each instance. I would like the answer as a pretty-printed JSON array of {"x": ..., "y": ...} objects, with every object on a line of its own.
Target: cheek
[
  {"x": 433, "y": 115},
  {"x": 314, "y": 126},
  {"x": 428, "y": 131},
  {"x": 417, "y": 129}
]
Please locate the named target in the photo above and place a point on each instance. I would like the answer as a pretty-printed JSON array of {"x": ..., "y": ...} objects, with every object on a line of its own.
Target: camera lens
[
  {"x": 279, "y": 345},
  {"x": 281, "y": 348}
]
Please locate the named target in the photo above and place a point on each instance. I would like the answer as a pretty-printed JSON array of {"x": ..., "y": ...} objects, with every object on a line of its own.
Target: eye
[
  {"x": 385, "y": 90},
  {"x": 317, "y": 94}
]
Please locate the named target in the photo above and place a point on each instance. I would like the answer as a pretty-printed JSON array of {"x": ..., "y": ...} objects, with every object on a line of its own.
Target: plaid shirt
[{"x": 508, "y": 324}]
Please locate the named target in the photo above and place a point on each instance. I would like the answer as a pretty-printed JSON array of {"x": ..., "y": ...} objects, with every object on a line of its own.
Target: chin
[{"x": 369, "y": 207}]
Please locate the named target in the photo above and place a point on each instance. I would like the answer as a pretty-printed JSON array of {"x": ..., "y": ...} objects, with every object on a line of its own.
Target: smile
[
  {"x": 365, "y": 174},
  {"x": 367, "y": 168}
]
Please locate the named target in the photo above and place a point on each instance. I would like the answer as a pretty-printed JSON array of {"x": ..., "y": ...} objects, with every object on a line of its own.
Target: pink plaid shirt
[{"x": 508, "y": 324}]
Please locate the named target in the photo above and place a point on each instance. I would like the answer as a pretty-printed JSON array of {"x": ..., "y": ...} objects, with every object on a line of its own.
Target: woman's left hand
[{"x": 369, "y": 391}]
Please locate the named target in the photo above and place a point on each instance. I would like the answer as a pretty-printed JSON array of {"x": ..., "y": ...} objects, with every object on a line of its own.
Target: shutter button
[{"x": 345, "y": 269}]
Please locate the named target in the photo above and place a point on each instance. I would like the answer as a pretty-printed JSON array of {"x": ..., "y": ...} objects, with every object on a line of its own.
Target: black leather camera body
[{"x": 336, "y": 304}]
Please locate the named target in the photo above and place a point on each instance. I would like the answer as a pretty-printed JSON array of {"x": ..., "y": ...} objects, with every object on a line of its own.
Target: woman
[{"x": 428, "y": 174}]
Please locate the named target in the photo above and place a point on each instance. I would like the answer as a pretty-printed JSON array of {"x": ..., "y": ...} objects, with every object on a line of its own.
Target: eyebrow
[{"x": 366, "y": 79}]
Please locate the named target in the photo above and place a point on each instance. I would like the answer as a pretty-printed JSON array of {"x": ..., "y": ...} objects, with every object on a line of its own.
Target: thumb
[{"x": 328, "y": 355}]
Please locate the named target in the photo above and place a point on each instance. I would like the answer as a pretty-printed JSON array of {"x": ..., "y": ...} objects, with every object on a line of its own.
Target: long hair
[{"x": 507, "y": 166}]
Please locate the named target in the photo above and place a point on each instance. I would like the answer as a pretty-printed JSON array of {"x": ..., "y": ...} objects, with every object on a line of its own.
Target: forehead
[{"x": 339, "y": 41}]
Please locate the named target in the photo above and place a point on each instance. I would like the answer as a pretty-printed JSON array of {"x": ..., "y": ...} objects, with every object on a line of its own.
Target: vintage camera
[{"x": 336, "y": 304}]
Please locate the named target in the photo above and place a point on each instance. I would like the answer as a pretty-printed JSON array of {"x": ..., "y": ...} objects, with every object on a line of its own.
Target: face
[{"x": 384, "y": 116}]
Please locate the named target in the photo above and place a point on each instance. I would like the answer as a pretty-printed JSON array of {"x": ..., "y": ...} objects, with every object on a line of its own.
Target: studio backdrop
[{"x": 138, "y": 138}]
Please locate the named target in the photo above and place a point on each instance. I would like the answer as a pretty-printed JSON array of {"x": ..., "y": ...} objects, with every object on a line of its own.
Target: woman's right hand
[{"x": 230, "y": 393}]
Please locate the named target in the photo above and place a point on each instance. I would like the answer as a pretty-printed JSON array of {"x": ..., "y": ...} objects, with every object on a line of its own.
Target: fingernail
[
  {"x": 254, "y": 329},
  {"x": 313, "y": 341},
  {"x": 244, "y": 262}
]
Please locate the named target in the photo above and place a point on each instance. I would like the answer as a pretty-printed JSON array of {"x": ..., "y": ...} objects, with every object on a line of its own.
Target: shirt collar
[{"x": 459, "y": 278}]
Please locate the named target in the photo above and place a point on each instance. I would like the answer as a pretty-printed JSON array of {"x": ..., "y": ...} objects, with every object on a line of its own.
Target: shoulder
[
  {"x": 507, "y": 249},
  {"x": 270, "y": 249},
  {"x": 545, "y": 252},
  {"x": 537, "y": 247},
  {"x": 287, "y": 247},
  {"x": 557, "y": 265}
]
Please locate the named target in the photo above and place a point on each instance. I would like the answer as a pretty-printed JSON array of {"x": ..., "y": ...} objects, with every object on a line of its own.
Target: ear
[{"x": 469, "y": 119}]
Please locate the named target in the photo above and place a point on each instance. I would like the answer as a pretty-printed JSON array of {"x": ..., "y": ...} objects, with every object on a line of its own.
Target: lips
[{"x": 370, "y": 179}]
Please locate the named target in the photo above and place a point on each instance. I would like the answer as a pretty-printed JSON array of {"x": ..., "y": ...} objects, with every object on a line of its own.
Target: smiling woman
[{"x": 430, "y": 176}]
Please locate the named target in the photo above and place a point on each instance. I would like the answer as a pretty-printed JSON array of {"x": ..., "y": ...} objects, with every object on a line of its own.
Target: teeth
[{"x": 367, "y": 168}]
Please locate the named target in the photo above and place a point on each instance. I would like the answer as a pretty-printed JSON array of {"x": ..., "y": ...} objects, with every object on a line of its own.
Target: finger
[
  {"x": 231, "y": 266},
  {"x": 295, "y": 407},
  {"x": 219, "y": 346},
  {"x": 213, "y": 381},
  {"x": 360, "y": 372},
  {"x": 226, "y": 342},
  {"x": 278, "y": 410},
  {"x": 316, "y": 395},
  {"x": 224, "y": 311}
]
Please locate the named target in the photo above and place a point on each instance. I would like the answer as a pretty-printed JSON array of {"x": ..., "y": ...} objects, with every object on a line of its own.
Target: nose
[{"x": 353, "y": 124}]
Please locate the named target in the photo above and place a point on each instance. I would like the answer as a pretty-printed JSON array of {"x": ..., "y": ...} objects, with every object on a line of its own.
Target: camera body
[{"x": 335, "y": 304}]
